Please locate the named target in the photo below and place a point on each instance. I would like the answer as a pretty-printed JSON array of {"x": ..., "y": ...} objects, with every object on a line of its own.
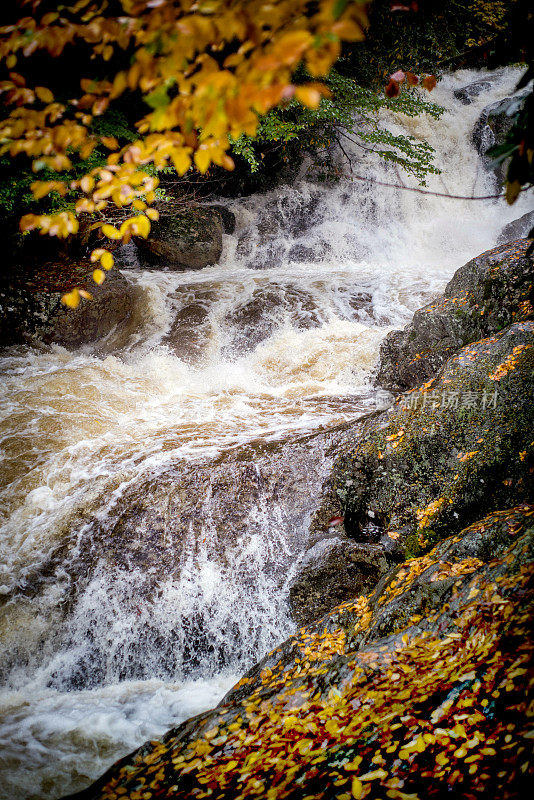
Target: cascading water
[{"x": 156, "y": 495}]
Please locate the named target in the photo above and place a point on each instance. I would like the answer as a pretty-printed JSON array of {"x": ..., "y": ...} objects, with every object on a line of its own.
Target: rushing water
[{"x": 155, "y": 496}]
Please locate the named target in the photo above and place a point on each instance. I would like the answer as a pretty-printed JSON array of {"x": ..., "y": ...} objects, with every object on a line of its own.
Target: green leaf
[
  {"x": 158, "y": 98},
  {"x": 339, "y": 8}
]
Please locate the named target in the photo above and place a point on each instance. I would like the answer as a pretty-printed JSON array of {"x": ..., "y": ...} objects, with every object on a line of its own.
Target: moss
[{"x": 425, "y": 471}]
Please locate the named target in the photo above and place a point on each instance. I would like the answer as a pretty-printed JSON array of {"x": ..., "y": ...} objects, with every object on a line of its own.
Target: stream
[{"x": 155, "y": 494}]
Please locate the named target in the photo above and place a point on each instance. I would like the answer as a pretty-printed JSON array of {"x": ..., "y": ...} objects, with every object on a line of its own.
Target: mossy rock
[
  {"x": 31, "y": 308},
  {"x": 485, "y": 295},
  {"x": 458, "y": 446},
  {"x": 191, "y": 239}
]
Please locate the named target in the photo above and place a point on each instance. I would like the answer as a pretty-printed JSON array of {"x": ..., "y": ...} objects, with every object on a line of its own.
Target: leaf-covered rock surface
[
  {"x": 381, "y": 698},
  {"x": 486, "y": 294}
]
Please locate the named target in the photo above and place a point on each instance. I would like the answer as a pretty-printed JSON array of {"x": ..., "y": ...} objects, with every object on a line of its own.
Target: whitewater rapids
[{"x": 277, "y": 341}]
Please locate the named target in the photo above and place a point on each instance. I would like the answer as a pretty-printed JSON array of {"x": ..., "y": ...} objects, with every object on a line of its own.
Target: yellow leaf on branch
[
  {"x": 106, "y": 259},
  {"x": 110, "y": 231}
]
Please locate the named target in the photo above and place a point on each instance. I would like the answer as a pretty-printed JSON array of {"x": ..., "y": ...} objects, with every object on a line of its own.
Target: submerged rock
[
  {"x": 420, "y": 689},
  {"x": 468, "y": 93},
  {"x": 161, "y": 579},
  {"x": 486, "y": 294}
]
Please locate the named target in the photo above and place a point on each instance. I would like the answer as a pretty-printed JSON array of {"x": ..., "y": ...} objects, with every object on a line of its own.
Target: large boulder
[
  {"x": 459, "y": 443},
  {"x": 419, "y": 690},
  {"x": 31, "y": 308},
  {"x": 493, "y": 125},
  {"x": 190, "y": 239},
  {"x": 486, "y": 294}
]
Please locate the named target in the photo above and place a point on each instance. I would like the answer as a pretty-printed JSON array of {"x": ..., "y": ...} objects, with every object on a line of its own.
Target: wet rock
[
  {"x": 338, "y": 572},
  {"x": 178, "y": 549},
  {"x": 191, "y": 330},
  {"x": 227, "y": 218},
  {"x": 468, "y": 93},
  {"x": 517, "y": 229},
  {"x": 393, "y": 689},
  {"x": 406, "y": 594},
  {"x": 483, "y": 296},
  {"x": 31, "y": 308},
  {"x": 260, "y": 314},
  {"x": 182, "y": 241},
  {"x": 459, "y": 444},
  {"x": 491, "y": 128}
]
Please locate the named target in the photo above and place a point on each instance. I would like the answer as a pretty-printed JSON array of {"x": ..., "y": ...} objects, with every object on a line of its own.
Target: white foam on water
[
  {"x": 47, "y": 735},
  {"x": 280, "y": 338}
]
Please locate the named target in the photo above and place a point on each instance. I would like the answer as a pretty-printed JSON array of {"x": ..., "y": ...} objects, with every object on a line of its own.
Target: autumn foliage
[{"x": 203, "y": 73}]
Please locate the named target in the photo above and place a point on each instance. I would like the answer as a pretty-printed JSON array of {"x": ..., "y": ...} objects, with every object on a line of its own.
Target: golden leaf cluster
[{"x": 207, "y": 70}]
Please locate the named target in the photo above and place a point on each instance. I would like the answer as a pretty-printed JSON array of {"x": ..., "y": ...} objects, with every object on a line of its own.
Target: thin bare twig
[
  {"x": 429, "y": 191},
  {"x": 345, "y": 154}
]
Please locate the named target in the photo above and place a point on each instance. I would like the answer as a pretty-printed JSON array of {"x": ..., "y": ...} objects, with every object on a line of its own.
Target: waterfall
[{"x": 156, "y": 496}]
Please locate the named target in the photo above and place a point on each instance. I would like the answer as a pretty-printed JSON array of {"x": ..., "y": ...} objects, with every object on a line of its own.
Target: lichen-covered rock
[
  {"x": 486, "y": 294},
  {"x": 459, "y": 444},
  {"x": 31, "y": 308},
  {"x": 191, "y": 239},
  {"x": 437, "y": 705}
]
